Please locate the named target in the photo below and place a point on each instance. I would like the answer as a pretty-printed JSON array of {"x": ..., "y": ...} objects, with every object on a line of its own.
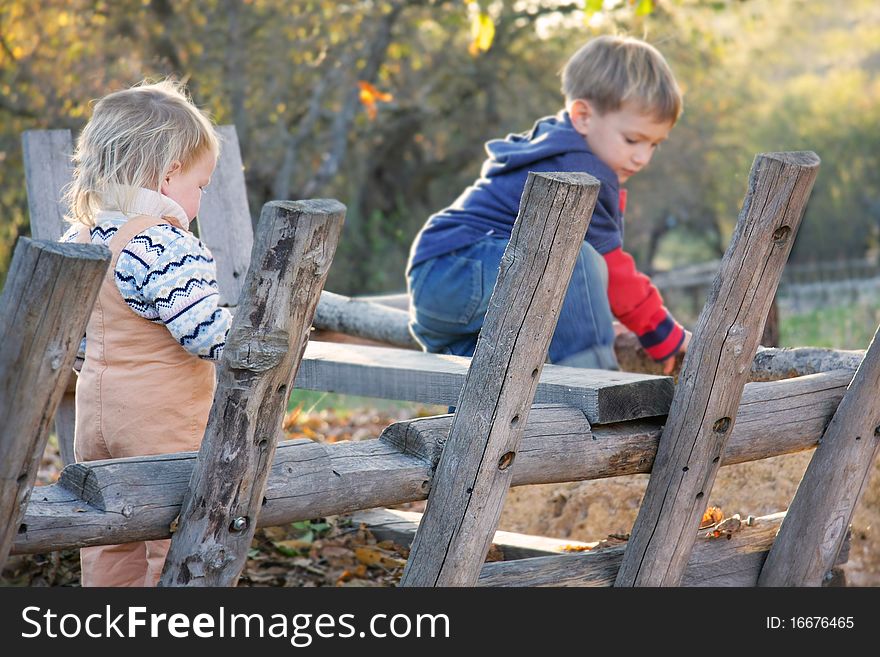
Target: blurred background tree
[{"x": 386, "y": 104}]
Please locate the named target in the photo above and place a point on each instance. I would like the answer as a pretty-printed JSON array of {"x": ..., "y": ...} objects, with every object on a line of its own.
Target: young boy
[{"x": 621, "y": 102}]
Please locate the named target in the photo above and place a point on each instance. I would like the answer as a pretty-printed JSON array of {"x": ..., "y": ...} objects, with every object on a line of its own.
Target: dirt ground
[{"x": 591, "y": 510}]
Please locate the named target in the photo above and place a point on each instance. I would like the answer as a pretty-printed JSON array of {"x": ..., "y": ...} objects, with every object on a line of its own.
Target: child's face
[
  {"x": 625, "y": 139},
  {"x": 185, "y": 185}
]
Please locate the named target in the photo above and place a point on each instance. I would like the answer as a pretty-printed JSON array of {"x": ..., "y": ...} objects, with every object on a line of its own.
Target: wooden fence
[
  {"x": 802, "y": 288},
  {"x": 518, "y": 421}
]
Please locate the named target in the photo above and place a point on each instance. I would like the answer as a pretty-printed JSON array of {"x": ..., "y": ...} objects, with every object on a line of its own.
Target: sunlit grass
[
  {"x": 840, "y": 327},
  {"x": 313, "y": 401}
]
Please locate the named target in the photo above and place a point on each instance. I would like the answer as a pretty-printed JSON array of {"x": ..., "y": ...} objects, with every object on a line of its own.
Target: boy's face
[
  {"x": 625, "y": 139},
  {"x": 186, "y": 185}
]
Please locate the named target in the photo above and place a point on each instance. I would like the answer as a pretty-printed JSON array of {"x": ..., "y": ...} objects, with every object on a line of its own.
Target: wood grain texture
[
  {"x": 47, "y": 299},
  {"x": 474, "y": 473},
  {"x": 65, "y": 422},
  {"x": 783, "y": 363},
  {"x": 364, "y": 319},
  {"x": 48, "y": 170},
  {"x": 224, "y": 221},
  {"x": 400, "y": 527},
  {"x": 559, "y": 445},
  {"x": 292, "y": 255},
  {"x": 716, "y": 368},
  {"x": 121, "y": 500},
  {"x": 822, "y": 509},
  {"x": 713, "y": 562},
  {"x": 602, "y": 395}
]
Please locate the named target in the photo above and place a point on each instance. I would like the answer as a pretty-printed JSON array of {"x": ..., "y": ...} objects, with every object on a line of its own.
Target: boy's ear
[{"x": 580, "y": 112}]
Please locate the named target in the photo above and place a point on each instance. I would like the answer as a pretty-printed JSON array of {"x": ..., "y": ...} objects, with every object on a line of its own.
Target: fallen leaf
[
  {"x": 712, "y": 516},
  {"x": 371, "y": 556},
  {"x": 576, "y": 548},
  {"x": 293, "y": 547}
]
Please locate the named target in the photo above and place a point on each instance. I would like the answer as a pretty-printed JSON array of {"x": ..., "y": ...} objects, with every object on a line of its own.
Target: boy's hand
[{"x": 669, "y": 363}]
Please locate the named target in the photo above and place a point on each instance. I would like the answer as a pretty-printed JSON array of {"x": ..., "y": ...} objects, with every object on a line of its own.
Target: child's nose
[{"x": 642, "y": 156}]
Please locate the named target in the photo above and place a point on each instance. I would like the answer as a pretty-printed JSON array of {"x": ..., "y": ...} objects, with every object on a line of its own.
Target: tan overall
[{"x": 139, "y": 392}]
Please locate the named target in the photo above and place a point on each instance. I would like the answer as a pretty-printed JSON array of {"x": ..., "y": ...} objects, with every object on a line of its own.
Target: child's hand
[{"x": 669, "y": 363}]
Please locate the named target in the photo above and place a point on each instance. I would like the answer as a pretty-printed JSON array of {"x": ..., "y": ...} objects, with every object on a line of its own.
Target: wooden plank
[
  {"x": 474, "y": 474},
  {"x": 364, "y": 319},
  {"x": 123, "y": 500},
  {"x": 822, "y": 509},
  {"x": 48, "y": 170},
  {"x": 437, "y": 379},
  {"x": 65, "y": 421},
  {"x": 713, "y": 562},
  {"x": 783, "y": 363},
  {"x": 559, "y": 445},
  {"x": 401, "y": 526},
  {"x": 399, "y": 300},
  {"x": 46, "y": 303},
  {"x": 295, "y": 246},
  {"x": 715, "y": 370},
  {"x": 224, "y": 222},
  {"x": 132, "y": 499}
]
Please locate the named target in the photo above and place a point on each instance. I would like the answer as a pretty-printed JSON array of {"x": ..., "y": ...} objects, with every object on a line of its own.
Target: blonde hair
[
  {"x": 611, "y": 71},
  {"x": 132, "y": 140}
]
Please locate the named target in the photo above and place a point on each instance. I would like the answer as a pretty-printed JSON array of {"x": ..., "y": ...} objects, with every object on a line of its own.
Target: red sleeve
[{"x": 638, "y": 305}]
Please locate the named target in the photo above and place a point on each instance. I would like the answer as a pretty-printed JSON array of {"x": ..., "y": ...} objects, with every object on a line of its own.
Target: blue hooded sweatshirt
[{"x": 491, "y": 204}]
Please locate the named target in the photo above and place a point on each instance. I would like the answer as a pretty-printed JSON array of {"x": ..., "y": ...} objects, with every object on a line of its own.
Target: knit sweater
[{"x": 166, "y": 274}]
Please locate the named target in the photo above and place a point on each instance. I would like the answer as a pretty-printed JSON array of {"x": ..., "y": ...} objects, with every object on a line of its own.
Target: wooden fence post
[
  {"x": 817, "y": 520},
  {"x": 294, "y": 247},
  {"x": 46, "y": 303},
  {"x": 474, "y": 471},
  {"x": 227, "y": 228},
  {"x": 48, "y": 169},
  {"x": 715, "y": 370}
]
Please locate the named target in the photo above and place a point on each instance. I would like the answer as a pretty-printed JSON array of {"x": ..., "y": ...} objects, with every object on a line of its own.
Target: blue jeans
[{"x": 449, "y": 297}]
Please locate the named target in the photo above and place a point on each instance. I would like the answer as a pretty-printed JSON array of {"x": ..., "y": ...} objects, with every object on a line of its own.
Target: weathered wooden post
[
  {"x": 815, "y": 525},
  {"x": 715, "y": 370},
  {"x": 474, "y": 471},
  {"x": 48, "y": 169},
  {"x": 46, "y": 303},
  {"x": 292, "y": 253}
]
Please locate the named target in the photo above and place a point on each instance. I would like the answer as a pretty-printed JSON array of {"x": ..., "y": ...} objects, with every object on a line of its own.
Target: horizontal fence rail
[{"x": 133, "y": 499}]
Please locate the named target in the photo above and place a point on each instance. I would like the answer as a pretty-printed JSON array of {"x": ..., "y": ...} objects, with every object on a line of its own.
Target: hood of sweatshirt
[{"x": 550, "y": 137}]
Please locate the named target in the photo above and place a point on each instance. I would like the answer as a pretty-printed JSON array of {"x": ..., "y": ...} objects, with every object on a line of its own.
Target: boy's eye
[{"x": 631, "y": 141}]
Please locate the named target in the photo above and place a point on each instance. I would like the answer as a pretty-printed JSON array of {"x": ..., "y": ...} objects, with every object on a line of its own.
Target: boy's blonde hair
[
  {"x": 611, "y": 71},
  {"x": 131, "y": 141}
]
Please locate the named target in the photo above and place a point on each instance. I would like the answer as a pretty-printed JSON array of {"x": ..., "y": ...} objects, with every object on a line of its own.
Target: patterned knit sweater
[{"x": 167, "y": 276}]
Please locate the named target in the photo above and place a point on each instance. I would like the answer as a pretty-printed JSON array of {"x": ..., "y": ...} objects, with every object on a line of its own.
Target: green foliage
[
  {"x": 840, "y": 327},
  {"x": 758, "y": 76},
  {"x": 311, "y": 401}
]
